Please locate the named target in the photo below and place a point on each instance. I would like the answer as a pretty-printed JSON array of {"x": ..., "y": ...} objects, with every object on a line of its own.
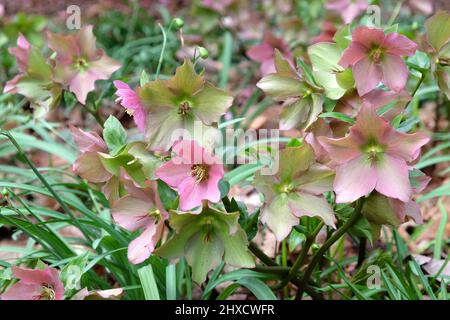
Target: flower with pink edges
[
  {"x": 79, "y": 63},
  {"x": 376, "y": 57},
  {"x": 194, "y": 173},
  {"x": 129, "y": 99},
  {"x": 373, "y": 156},
  {"x": 348, "y": 9},
  {"x": 142, "y": 210},
  {"x": 264, "y": 52},
  {"x": 35, "y": 284}
]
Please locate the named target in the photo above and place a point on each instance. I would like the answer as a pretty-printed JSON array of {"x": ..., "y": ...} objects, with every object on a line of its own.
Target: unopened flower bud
[
  {"x": 202, "y": 52},
  {"x": 178, "y": 23}
]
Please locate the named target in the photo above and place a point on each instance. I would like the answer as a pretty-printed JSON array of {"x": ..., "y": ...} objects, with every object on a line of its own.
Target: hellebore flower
[
  {"x": 327, "y": 34},
  {"x": 97, "y": 165},
  {"x": 348, "y": 9},
  {"x": 303, "y": 100},
  {"x": 182, "y": 102},
  {"x": 207, "y": 239},
  {"x": 35, "y": 81},
  {"x": 373, "y": 156},
  {"x": 79, "y": 63},
  {"x": 295, "y": 191},
  {"x": 130, "y": 100},
  {"x": 141, "y": 209},
  {"x": 376, "y": 57},
  {"x": 194, "y": 173},
  {"x": 264, "y": 53},
  {"x": 35, "y": 284},
  {"x": 438, "y": 40}
]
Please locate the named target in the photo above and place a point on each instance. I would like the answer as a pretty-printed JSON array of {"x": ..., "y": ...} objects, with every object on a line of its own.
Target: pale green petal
[
  {"x": 317, "y": 180},
  {"x": 156, "y": 94},
  {"x": 161, "y": 125},
  {"x": 281, "y": 87},
  {"x": 303, "y": 204},
  {"x": 210, "y": 103},
  {"x": 186, "y": 81},
  {"x": 278, "y": 216},
  {"x": 294, "y": 161}
]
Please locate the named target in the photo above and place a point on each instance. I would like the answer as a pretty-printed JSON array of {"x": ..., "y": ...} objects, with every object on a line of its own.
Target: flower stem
[
  {"x": 301, "y": 257},
  {"x": 161, "y": 55},
  {"x": 361, "y": 251},
  {"x": 318, "y": 256}
]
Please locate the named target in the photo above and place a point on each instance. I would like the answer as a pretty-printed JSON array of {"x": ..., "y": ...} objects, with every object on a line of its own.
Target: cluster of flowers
[{"x": 363, "y": 158}]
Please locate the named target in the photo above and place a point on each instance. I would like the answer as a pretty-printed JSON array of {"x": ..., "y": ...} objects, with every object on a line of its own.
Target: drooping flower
[
  {"x": 35, "y": 284},
  {"x": 142, "y": 210},
  {"x": 264, "y": 53},
  {"x": 303, "y": 100},
  {"x": 79, "y": 63},
  {"x": 182, "y": 102},
  {"x": 295, "y": 191},
  {"x": 194, "y": 173},
  {"x": 438, "y": 40},
  {"x": 348, "y": 9},
  {"x": 376, "y": 57},
  {"x": 130, "y": 100},
  {"x": 373, "y": 156},
  {"x": 207, "y": 239},
  {"x": 35, "y": 80}
]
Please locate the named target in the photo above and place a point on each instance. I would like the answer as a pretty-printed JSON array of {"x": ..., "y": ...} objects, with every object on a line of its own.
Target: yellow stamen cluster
[{"x": 199, "y": 172}]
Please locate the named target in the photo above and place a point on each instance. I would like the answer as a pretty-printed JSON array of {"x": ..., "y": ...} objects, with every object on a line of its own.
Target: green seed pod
[{"x": 202, "y": 52}]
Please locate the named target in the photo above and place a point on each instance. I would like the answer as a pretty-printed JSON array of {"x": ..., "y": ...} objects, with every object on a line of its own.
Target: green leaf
[
  {"x": 168, "y": 196},
  {"x": 339, "y": 116},
  {"x": 171, "y": 282},
  {"x": 144, "y": 78},
  {"x": 440, "y": 236},
  {"x": 114, "y": 134},
  {"x": 258, "y": 288},
  {"x": 148, "y": 282}
]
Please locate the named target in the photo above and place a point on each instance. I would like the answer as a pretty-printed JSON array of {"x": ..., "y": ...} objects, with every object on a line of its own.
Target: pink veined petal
[
  {"x": 32, "y": 276},
  {"x": 22, "y": 291},
  {"x": 354, "y": 53},
  {"x": 131, "y": 213},
  {"x": 368, "y": 37},
  {"x": 355, "y": 179},
  {"x": 268, "y": 67},
  {"x": 370, "y": 125},
  {"x": 341, "y": 150},
  {"x": 405, "y": 145},
  {"x": 142, "y": 247},
  {"x": 353, "y": 10},
  {"x": 173, "y": 174},
  {"x": 399, "y": 45},
  {"x": 261, "y": 52},
  {"x": 88, "y": 141},
  {"x": 367, "y": 75},
  {"x": 395, "y": 72},
  {"x": 392, "y": 178},
  {"x": 191, "y": 194}
]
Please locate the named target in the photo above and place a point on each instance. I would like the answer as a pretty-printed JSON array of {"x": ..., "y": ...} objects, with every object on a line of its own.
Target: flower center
[
  {"x": 81, "y": 63},
  {"x": 286, "y": 188},
  {"x": 199, "y": 172},
  {"x": 47, "y": 292},
  {"x": 154, "y": 213},
  {"x": 184, "y": 108},
  {"x": 373, "y": 149},
  {"x": 376, "y": 55}
]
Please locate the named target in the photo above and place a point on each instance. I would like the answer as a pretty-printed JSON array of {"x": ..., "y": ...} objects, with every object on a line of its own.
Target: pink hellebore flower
[
  {"x": 373, "y": 156},
  {"x": 35, "y": 284},
  {"x": 264, "y": 53},
  {"x": 141, "y": 209},
  {"x": 348, "y": 9},
  {"x": 194, "y": 173},
  {"x": 376, "y": 57},
  {"x": 130, "y": 100},
  {"x": 88, "y": 165},
  {"x": 79, "y": 63}
]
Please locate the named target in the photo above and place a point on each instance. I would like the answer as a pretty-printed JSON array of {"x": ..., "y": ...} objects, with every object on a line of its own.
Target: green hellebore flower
[
  {"x": 303, "y": 100},
  {"x": 205, "y": 239},
  {"x": 180, "y": 103}
]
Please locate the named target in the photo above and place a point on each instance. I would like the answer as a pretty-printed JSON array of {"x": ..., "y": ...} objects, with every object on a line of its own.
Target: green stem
[
  {"x": 361, "y": 251},
  {"x": 318, "y": 256},
  {"x": 301, "y": 257},
  {"x": 161, "y": 55},
  {"x": 261, "y": 255},
  {"x": 44, "y": 182}
]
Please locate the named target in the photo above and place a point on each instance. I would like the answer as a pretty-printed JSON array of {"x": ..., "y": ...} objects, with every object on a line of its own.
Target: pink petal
[
  {"x": 268, "y": 67},
  {"x": 369, "y": 125},
  {"x": 368, "y": 37},
  {"x": 353, "y": 10},
  {"x": 341, "y": 150},
  {"x": 21, "y": 52},
  {"x": 405, "y": 145},
  {"x": 32, "y": 276},
  {"x": 22, "y": 291},
  {"x": 10, "y": 86},
  {"x": 88, "y": 141},
  {"x": 395, "y": 72},
  {"x": 86, "y": 41},
  {"x": 261, "y": 52},
  {"x": 399, "y": 45},
  {"x": 142, "y": 247},
  {"x": 355, "y": 179},
  {"x": 130, "y": 100},
  {"x": 367, "y": 75},
  {"x": 173, "y": 174},
  {"x": 192, "y": 194},
  {"x": 354, "y": 53},
  {"x": 393, "y": 180},
  {"x": 131, "y": 213}
]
